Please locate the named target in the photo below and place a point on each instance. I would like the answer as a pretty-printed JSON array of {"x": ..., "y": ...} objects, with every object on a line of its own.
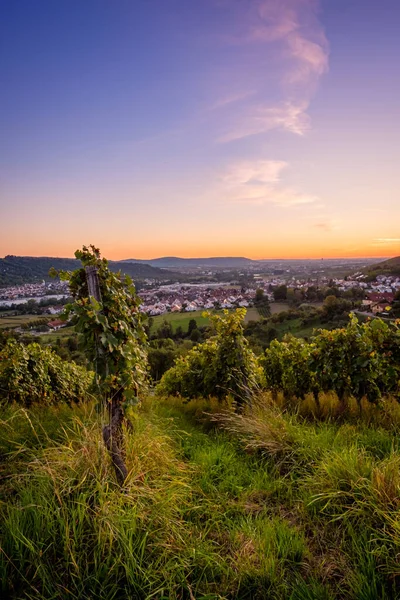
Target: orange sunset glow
[{"x": 228, "y": 129}]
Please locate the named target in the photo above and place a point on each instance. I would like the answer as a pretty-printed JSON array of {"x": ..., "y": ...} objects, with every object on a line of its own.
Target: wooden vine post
[
  {"x": 112, "y": 433},
  {"x": 107, "y": 311}
]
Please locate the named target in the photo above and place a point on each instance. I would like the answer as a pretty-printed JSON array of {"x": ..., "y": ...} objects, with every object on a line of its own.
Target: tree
[
  {"x": 261, "y": 302},
  {"x": 280, "y": 293},
  {"x": 259, "y": 297},
  {"x": 396, "y": 305},
  {"x": 334, "y": 306},
  {"x": 165, "y": 330},
  {"x": 179, "y": 333},
  {"x": 192, "y": 326},
  {"x": 114, "y": 341},
  {"x": 161, "y": 355},
  {"x": 312, "y": 293},
  {"x": 195, "y": 336}
]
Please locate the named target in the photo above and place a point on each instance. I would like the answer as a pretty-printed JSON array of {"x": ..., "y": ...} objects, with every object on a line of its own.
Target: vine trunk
[{"x": 113, "y": 437}]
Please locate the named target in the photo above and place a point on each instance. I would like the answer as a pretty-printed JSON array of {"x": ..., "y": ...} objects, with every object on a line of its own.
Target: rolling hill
[
  {"x": 386, "y": 267},
  {"x": 171, "y": 262},
  {"x": 15, "y": 270}
]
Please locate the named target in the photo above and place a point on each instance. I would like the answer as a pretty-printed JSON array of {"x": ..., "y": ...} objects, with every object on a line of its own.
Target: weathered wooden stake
[
  {"x": 112, "y": 434},
  {"x": 92, "y": 278}
]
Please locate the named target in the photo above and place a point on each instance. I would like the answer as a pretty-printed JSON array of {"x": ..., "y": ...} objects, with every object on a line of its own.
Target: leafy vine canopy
[{"x": 113, "y": 334}]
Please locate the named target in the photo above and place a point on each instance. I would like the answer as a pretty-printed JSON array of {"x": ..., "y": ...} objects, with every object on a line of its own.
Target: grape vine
[
  {"x": 114, "y": 341},
  {"x": 30, "y": 374}
]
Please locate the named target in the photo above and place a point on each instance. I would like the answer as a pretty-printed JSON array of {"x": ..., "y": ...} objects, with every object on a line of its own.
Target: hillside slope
[
  {"x": 231, "y": 262},
  {"x": 15, "y": 270},
  {"x": 386, "y": 267}
]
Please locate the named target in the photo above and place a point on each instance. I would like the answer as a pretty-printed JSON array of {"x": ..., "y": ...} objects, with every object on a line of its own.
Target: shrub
[
  {"x": 31, "y": 374},
  {"x": 223, "y": 365}
]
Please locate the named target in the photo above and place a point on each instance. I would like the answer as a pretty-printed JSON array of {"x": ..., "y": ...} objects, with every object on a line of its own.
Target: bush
[
  {"x": 286, "y": 367},
  {"x": 223, "y": 365},
  {"x": 31, "y": 374},
  {"x": 360, "y": 360}
]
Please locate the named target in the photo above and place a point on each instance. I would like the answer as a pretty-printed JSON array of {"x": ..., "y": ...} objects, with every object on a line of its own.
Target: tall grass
[
  {"x": 345, "y": 477},
  {"x": 217, "y": 506},
  {"x": 67, "y": 529}
]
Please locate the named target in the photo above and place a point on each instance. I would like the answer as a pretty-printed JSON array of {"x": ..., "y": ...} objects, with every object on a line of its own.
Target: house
[
  {"x": 56, "y": 324},
  {"x": 55, "y": 310},
  {"x": 380, "y": 307},
  {"x": 376, "y": 297}
]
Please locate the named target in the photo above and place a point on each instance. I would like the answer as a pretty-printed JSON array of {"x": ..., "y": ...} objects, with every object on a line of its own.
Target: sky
[{"x": 257, "y": 128}]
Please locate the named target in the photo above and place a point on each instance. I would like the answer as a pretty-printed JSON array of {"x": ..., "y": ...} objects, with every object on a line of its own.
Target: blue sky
[{"x": 262, "y": 128}]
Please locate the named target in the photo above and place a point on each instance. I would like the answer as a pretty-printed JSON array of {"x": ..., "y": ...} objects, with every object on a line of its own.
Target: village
[
  {"x": 374, "y": 297},
  {"x": 18, "y": 294},
  {"x": 184, "y": 297}
]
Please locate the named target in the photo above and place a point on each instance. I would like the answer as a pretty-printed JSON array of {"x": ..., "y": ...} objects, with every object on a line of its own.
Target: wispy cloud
[
  {"x": 251, "y": 173},
  {"x": 231, "y": 99},
  {"x": 383, "y": 241},
  {"x": 295, "y": 24},
  {"x": 294, "y": 44},
  {"x": 260, "y": 182},
  {"x": 260, "y": 119}
]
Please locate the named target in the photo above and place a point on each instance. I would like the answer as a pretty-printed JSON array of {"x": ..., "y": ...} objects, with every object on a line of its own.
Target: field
[
  {"x": 176, "y": 320},
  {"x": 296, "y": 327},
  {"x": 64, "y": 332},
  {"x": 182, "y": 319},
  {"x": 277, "y": 307},
  {"x": 12, "y": 322},
  {"x": 260, "y": 506}
]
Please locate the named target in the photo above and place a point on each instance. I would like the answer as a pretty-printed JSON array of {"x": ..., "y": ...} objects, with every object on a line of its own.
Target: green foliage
[
  {"x": 165, "y": 330},
  {"x": 161, "y": 355},
  {"x": 280, "y": 292},
  {"x": 286, "y": 367},
  {"x": 334, "y": 307},
  {"x": 360, "y": 360},
  {"x": 262, "y": 304},
  {"x": 113, "y": 334},
  {"x": 224, "y": 364},
  {"x": 192, "y": 325},
  {"x": 31, "y": 374},
  {"x": 15, "y": 270}
]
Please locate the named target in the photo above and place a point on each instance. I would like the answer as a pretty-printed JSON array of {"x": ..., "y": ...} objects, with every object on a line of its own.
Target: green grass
[
  {"x": 64, "y": 332},
  {"x": 12, "y": 322},
  {"x": 296, "y": 327},
  {"x": 277, "y": 307},
  {"x": 217, "y": 506},
  {"x": 182, "y": 319}
]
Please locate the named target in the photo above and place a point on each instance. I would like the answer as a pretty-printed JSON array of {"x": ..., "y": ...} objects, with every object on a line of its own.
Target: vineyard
[
  {"x": 359, "y": 361},
  {"x": 239, "y": 477}
]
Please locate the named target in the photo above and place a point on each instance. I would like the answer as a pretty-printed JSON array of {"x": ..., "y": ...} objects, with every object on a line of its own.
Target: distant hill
[
  {"x": 174, "y": 262},
  {"x": 15, "y": 270},
  {"x": 386, "y": 267}
]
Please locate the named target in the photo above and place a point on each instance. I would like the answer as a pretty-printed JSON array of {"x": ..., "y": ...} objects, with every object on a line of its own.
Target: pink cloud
[
  {"x": 260, "y": 119},
  {"x": 292, "y": 31},
  {"x": 259, "y": 182}
]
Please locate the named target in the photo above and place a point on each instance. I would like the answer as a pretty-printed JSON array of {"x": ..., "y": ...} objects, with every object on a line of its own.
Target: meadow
[
  {"x": 182, "y": 319},
  {"x": 15, "y": 321},
  {"x": 178, "y": 319}
]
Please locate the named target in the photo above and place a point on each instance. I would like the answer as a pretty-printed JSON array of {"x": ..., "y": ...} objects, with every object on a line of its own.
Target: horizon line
[{"x": 211, "y": 257}]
